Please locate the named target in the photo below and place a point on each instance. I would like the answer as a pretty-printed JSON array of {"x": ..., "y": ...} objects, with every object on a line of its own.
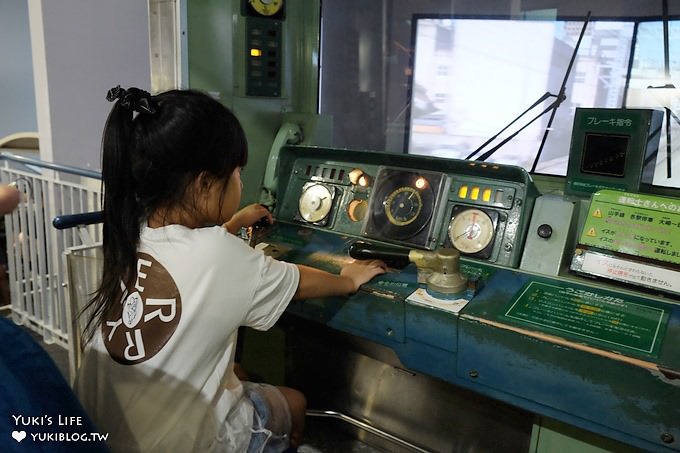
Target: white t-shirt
[{"x": 158, "y": 376}]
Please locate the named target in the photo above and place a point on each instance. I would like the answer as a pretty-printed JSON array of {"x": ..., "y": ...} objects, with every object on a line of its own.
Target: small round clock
[{"x": 266, "y": 7}]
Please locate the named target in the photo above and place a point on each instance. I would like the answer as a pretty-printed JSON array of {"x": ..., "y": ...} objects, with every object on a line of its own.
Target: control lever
[
  {"x": 438, "y": 269},
  {"x": 254, "y": 232},
  {"x": 257, "y": 230},
  {"x": 393, "y": 257}
]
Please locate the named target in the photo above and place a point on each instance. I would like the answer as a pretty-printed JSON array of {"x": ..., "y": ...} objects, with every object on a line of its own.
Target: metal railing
[
  {"x": 36, "y": 267},
  {"x": 83, "y": 273}
]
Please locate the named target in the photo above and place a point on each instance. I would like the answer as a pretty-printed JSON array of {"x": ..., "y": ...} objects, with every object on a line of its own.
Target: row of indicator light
[{"x": 485, "y": 194}]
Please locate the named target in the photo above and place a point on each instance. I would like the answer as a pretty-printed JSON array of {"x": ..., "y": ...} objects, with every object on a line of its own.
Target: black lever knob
[{"x": 392, "y": 256}]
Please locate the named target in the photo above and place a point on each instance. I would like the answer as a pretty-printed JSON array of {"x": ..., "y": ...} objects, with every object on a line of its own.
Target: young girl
[{"x": 158, "y": 372}]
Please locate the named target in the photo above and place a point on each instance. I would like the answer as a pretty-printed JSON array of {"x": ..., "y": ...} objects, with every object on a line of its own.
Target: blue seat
[{"x": 38, "y": 410}]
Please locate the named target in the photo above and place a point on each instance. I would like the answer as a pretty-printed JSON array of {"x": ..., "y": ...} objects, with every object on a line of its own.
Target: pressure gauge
[
  {"x": 315, "y": 202},
  {"x": 266, "y": 7},
  {"x": 471, "y": 230},
  {"x": 403, "y": 205}
]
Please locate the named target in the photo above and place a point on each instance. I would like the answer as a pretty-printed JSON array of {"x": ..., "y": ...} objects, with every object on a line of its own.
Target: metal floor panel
[
  {"x": 331, "y": 436},
  {"x": 344, "y": 374}
]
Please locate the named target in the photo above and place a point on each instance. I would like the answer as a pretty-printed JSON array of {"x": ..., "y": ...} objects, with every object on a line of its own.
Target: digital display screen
[{"x": 605, "y": 154}]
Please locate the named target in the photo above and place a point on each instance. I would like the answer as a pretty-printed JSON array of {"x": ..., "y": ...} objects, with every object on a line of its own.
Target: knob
[
  {"x": 392, "y": 256},
  {"x": 544, "y": 231}
]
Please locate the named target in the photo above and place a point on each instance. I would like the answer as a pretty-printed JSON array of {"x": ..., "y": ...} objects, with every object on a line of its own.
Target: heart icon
[{"x": 19, "y": 435}]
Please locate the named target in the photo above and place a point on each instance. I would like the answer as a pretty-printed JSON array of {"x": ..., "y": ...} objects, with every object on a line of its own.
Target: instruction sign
[
  {"x": 596, "y": 316},
  {"x": 614, "y": 268},
  {"x": 635, "y": 224}
]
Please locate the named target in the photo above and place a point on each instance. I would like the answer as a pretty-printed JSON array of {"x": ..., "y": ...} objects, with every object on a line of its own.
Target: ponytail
[
  {"x": 122, "y": 211},
  {"x": 153, "y": 148}
]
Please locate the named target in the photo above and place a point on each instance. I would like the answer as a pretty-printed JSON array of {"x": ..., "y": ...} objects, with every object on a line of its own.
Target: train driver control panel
[
  {"x": 479, "y": 209},
  {"x": 464, "y": 300}
]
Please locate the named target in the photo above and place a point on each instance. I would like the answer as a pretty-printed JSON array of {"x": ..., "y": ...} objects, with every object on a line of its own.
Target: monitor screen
[{"x": 605, "y": 154}]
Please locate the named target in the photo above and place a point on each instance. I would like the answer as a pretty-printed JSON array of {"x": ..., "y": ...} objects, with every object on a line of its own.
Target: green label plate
[
  {"x": 636, "y": 224},
  {"x": 583, "y": 185},
  {"x": 599, "y": 317}
]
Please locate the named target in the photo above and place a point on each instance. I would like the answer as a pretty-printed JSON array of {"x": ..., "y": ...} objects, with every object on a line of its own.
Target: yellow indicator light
[
  {"x": 474, "y": 193},
  {"x": 421, "y": 183},
  {"x": 486, "y": 194},
  {"x": 462, "y": 192},
  {"x": 255, "y": 52},
  {"x": 364, "y": 180}
]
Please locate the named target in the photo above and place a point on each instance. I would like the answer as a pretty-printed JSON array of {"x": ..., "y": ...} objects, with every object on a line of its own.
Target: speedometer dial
[{"x": 403, "y": 206}]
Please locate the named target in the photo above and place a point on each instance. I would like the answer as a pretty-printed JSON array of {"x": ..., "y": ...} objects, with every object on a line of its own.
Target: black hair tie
[{"x": 132, "y": 99}]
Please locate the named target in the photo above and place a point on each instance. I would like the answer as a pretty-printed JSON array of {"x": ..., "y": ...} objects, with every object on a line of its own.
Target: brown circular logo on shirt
[{"x": 147, "y": 316}]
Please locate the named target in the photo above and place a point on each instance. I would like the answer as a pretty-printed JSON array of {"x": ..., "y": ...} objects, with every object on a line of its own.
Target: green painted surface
[
  {"x": 476, "y": 270},
  {"x": 550, "y": 436},
  {"x": 591, "y": 186},
  {"x": 596, "y": 316},
  {"x": 503, "y": 288},
  {"x": 216, "y": 55},
  {"x": 603, "y": 395}
]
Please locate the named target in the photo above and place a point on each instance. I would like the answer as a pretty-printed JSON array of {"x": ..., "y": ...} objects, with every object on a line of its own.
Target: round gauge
[
  {"x": 315, "y": 202},
  {"x": 403, "y": 205},
  {"x": 266, "y": 7},
  {"x": 471, "y": 230}
]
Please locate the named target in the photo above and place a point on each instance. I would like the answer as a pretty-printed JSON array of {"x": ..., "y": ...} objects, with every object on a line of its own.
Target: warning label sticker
[{"x": 635, "y": 224}]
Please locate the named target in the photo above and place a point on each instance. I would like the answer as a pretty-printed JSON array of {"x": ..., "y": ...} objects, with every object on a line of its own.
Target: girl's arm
[
  {"x": 247, "y": 216},
  {"x": 318, "y": 283},
  {"x": 314, "y": 282}
]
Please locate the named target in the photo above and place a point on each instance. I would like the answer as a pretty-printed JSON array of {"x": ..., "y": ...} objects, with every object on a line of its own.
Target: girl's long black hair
[{"x": 153, "y": 148}]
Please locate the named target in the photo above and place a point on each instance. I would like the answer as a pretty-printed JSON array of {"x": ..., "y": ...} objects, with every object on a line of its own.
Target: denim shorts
[{"x": 271, "y": 419}]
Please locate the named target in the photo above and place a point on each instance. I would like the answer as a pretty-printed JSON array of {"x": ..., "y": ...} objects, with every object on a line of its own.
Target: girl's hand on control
[
  {"x": 361, "y": 271},
  {"x": 247, "y": 216}
]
